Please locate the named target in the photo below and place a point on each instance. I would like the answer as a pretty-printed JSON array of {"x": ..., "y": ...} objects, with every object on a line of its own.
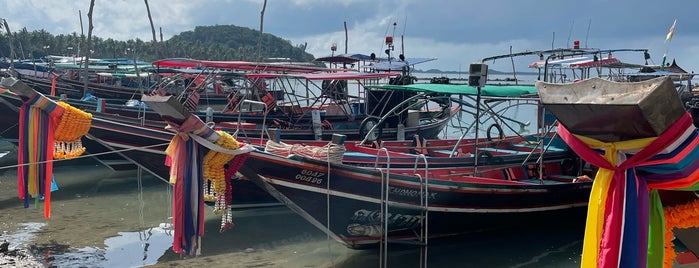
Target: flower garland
[
  {"x": 680, "y": 216},
  {"x": 233, "y": 167},
  {"x": 73, "y": 125},
  {"x": 214, "y": 171}
]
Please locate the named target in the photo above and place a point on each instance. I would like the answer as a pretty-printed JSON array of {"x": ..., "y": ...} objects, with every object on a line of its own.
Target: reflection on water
[
  {"x": 127, "y": 249},
  {"x": 114, "y": 219},
  {"x": 25, "y": 232}
]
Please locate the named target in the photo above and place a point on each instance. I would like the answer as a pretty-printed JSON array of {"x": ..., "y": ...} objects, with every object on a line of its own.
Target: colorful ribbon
[
  {"x": 625, "y": 226},
  {"x": 38, "y": 119},
  {"x": 183, "y": 157}
]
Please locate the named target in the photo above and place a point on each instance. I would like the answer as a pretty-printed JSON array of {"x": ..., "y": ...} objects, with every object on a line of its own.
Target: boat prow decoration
[{"x": 646, "y": 146}]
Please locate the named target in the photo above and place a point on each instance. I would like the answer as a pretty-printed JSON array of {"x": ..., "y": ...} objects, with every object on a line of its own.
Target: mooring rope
[
  {"x": 129, "y": 148},
  {"x": 332, "y": 152},
  {"x": 8, "y": 129}
]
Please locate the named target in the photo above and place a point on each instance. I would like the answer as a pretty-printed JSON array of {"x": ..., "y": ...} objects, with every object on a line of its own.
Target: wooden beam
[
  {"x": 167, "y": 107},
  {"x": 18, "y": 87},
  {"x": 171, "y": 110}
]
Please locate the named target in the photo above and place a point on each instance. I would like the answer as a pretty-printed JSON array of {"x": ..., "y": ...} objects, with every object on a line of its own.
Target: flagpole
[{"x": 668, "y": 38}]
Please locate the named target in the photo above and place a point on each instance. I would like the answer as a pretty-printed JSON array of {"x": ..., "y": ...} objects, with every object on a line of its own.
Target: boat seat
[
  {"x": 420, "y": 145},
  {"x": 515, "y": 173},
  {"x": 551, "y": 148},
  {"x": 234, "y": 125},
  {"x": 504, "y": 151},
  {"x": 448, "y": 153}
]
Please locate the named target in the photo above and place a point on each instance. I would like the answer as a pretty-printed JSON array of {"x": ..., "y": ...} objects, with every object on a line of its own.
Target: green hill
[
  {"x": 230, "y": 42},
  {"x": 220, "y": 42}
]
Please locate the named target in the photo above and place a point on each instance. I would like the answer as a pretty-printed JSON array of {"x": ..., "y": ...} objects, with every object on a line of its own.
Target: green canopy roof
[{"x": 488, "y": 90}]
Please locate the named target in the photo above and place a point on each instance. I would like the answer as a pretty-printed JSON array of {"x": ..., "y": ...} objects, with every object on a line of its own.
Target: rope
[
  {"x": 8, "y": 129},
  {"x": 206, "y": 143},
  {"x": 139, "y": 179},
  {"x": 130, "y": 148},
  {"x": 327, "y": 205},
  {"x": 332, "y": 152}
]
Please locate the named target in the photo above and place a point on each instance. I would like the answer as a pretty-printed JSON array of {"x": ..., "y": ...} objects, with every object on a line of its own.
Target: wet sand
[
  {"x": 102, "y": 218},
  {"x": 95, "y": 205}
]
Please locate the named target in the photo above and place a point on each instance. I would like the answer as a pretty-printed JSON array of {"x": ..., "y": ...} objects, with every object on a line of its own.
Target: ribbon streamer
[{"x": 624, "y": 219}]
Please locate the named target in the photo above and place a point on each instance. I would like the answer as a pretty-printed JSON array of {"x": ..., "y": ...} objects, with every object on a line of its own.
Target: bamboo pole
[
  {"x": 88, "y": 46},
  {"x": 259, "y": 41},
  {"x": 152, "y": 28}
]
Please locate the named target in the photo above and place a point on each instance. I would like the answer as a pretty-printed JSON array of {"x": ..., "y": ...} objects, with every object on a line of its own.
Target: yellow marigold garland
[
  {"x": 214, "y": 162},
  {"x": 680, "y": 216},
  {"x": 74, "y": 124}
]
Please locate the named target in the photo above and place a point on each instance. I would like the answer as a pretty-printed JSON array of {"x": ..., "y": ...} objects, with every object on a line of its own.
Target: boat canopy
[
  {"x": 124, "y": 75},
  {"x": 575, "y": 62},
  {"x": 488, "y": 90},
  {"x": 344, "y": 58},
  {"x": 240, "y": 65},
  {"x": 345, "y": 75},
  {"x": 386, "y": 65},
  {"x": 120, "y": 67},
  {"x": 326, "y": 76}
]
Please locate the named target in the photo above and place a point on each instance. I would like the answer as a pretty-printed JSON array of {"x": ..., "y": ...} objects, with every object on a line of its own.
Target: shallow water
[{"x": 102, "y": 218}]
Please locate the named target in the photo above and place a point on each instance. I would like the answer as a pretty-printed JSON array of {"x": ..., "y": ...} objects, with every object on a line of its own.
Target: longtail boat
[{"x": 362, "y": 206}]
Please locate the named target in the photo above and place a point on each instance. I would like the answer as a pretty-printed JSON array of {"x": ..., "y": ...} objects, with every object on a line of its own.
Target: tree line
[{"x": 220, "y": 42}]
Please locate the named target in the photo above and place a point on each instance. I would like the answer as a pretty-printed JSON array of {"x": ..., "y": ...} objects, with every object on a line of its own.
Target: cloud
[{"x": 456, "y": 32}]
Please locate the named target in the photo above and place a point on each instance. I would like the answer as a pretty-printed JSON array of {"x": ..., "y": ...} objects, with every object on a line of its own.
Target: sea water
[{"x": 104, "y": 218}]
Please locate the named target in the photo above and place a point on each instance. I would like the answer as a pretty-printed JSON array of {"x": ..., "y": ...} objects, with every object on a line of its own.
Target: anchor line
[{"x": 129, "y": 148}]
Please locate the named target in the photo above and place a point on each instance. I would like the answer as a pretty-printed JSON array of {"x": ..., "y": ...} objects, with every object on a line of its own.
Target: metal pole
[{"x": 475, "y": 149}]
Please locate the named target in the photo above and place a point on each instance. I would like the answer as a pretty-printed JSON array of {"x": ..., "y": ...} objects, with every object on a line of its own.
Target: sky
[{"x": 455, "y": 32}]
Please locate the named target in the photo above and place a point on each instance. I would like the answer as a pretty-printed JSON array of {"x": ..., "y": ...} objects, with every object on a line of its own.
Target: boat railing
[
  {"x": 487, "y": 110},
  {"x": 421, "y": 236},
  {"x": 424, "y": 203},
  {"x": 405, "y": 105},
  {"x": 252, "y": 106}
]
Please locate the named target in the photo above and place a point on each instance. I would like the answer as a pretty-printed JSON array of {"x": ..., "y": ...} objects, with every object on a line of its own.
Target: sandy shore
[
  {"x": 12, "y": 252},
  {"x": 104, "y": 218}
]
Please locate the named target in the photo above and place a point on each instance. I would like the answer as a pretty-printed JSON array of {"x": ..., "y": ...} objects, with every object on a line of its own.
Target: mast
[
  {"x": 152, "y": 29},
  {"x": 259, "y": 41},
  {"x": 88, "y": 45}
]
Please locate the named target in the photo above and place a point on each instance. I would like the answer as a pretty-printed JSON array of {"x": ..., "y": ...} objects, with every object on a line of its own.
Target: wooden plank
[
  {"x": 613, "y": 111},
  {"x": 167, "y": 106},
  {"x": 18, "y": 87},
  {"x": 171, "y": 110}
]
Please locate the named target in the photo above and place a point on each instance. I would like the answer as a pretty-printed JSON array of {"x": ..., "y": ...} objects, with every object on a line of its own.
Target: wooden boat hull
[
  {"x": 303, "y": 130},
  {"x": 345, "y": 201},
  {"x": 142, "y": 145},
  {"x": 74, "y": 89}
]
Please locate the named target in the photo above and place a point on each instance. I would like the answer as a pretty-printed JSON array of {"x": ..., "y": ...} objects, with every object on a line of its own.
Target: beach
[{"x": 104, "y": 218}]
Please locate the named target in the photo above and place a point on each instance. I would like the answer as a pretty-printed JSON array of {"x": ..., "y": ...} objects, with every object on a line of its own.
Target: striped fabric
[
  {"x": 183, "y": 157},
  {"x": 625, "y": 222},
  {"x": 38, "y": 119}
]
